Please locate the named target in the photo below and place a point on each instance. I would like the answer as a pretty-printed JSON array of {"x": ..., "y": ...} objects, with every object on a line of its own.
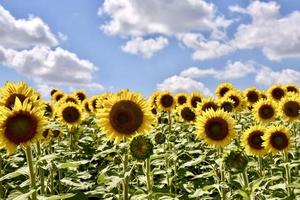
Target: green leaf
[
  {"x": 22, "y": 171},
  {"x": 74, "y": 164}
]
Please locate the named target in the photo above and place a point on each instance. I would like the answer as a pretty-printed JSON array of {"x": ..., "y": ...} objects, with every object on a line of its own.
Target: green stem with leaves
[
  {"x": 125, "y": 176},
  {"x": 149, "y": 181},
  {"x": 222, "y": 175},
  {"x": 260, "y": 166},
  {"x": 287, "y": 174},
  {"x": 31, "y": 170},
  {"x": 1, "y": 185},
  {"x": 245, "y": 178},
  {"x": 41, "y": 170}
]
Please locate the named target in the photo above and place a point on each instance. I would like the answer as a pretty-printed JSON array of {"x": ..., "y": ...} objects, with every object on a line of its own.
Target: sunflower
[
  {"x": 54, "y": 90},
  {"x": 277, "y": 139},
  {"x": 194, "y": 99},
  {"x": 19, "y": 90},
  {"x": 289, "y": 108},
  {"x": 86, "y": 105},
  {"x": 226, "y": 104},
  {"x": 215, "y": 127},
  {"x": 70, "y": 98},
  {"x": 70, "y": 114},
  {"x": 276, "y": 92},
  {"x": 181, "y": 99},
  {"x": 187, "y": 113},
  {"x": 292, "y": 88},
  {"x": 93, "y": 103},
  {"x": 207, "y": 103},
  {"x": 252, "y": 140},
  {"x": 165, "y": 101},
  {"x": 80, "y": 94},
  {"x": 141, "y": 147},
  {"x": 101, "y": 99},
  {"x": 49, "y": 110},
  {"x": 263, "y": 94},
  {"x": 236, "y": 96},
  {"x": 57, "y": 96},
  {"x": 252, "y": 95},
  {"x": 153, "y": 97},
  {"x": 23, "y": 125},
  {"x": 222, "y": 89},
  {"x": 124, "y": 115},
  {"x": 264, "y": 110}
]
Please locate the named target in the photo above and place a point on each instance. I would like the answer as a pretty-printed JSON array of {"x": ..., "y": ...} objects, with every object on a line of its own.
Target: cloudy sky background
[{"x": 186, "y": 45}]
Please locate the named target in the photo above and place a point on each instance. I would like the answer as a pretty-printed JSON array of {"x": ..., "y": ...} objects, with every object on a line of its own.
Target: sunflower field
[{"x": 121, "y": 146}]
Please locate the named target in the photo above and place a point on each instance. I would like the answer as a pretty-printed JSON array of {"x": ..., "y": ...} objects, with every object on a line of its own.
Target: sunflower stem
[
  {"x": 149, "y": 181},
  {"x": 125, "y": 176},
  {"x": 245, "y": 177},
  {"x": 31, "y": 170},
  {"x": 41, "y": 170},
  {"x": 260, "y": 166},
  {"x": 1, "y": 185},
  {"x": 222, "y": 176},
  {"x": 288, "y": 174},
  {"x": 59, "y": 183}
]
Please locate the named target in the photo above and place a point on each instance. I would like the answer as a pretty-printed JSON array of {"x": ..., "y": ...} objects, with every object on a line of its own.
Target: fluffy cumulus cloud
[
  {"x": 233, "y": 70},
  {"x": 145, "y": 48},
  {"x": 267, "y": 76},
  {"x": 137, "y": 18},
  {"x": 24, "y": 33},
  {"x": 29, "y": 47},
  {"x": 276, "y": 35},
  {"x": 182, "y": 84}
]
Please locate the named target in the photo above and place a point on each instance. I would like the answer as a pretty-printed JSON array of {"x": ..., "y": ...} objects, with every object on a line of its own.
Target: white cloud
[
  {"x": 278, "y": 36},
  {"x": 24, "y": 33},
  {"x": 45, "y": 65},
  {"x": 267, "y": 76},
  {"x": 137, "y": 18},
  {"x": 62, "y": 36},
  {"x": 233, "y": 70},
  {"x": 145, "y": 48},
  {"x": 182, "y": 84}
]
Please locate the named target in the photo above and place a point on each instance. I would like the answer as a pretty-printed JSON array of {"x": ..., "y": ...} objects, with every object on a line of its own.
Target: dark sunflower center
[
  {"x": 236, "y": 100},
  {"x": 166, "y": 100},
  {"x": 58, "y": 97},
  {"x": 10, "y": 102},
  {"x": 81, "y": 96},
  {"x": 226, "y": 106},
  {"x": 55, "y": 133},
  {"x": 154, "y": 111},
  {"x": 126, "y": 117},
  {"x": 71, "y": 114},
  {"x": 252, "y": 96},
  {"x": 255, "y": 140},
  {"x": 181, "y": 100},
  {"x": 87, "y": 107},
  {"x": 266, "y": 111},
  {"x": 71, "y": 99},
  {"x": 53, "y": 91},
  {"x": 277, "y": 93},
  {"x": 223, "y": 91},
  {"x": 292, "y": 89},
  {"x": 279, "y": 140},
  {"x": 46, "y": 133},
  {"x": 216, "y": 128},
  {"x": 94, "y": 104},
  {"x": 195, "y": 101},
  {"x": 291, "y": 108},
  {"x": 187, "y": 114},
  {"x": 21, "y": 127},
  {"x": 209, "y": 105}
]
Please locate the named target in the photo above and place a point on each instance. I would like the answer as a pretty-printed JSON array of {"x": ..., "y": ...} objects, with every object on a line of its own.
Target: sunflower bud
[
  {"x": 160, "y": 138},
  {"x": 236, "y": 162},
  {"x": 141, "y": 147}
]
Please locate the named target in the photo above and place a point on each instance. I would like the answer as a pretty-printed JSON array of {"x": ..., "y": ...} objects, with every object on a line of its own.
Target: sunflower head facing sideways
[
  {"x": 70, "y": 114},
  {"x": 53, "y": 91},
  {"x": 236, "y": 96},
  {"x": 289, "y": 107},
  {"x": 23, "y": 125},
  {"x": 194, "y": 99},
  {"x": 264, "y": 111},
  {"x": 277, "y": 139},
  {"x": 292, "y": 88},
  {"x": 86, "y": 106},
  {"x": 276, "y": 92},
  {"x": 94, "y": 103},
  {"x": 216, "y": 128},
  {"x": 57, "y": 96},
  {"x": 49, "y": 109},
  {"x": 141, "y": 147},
  {"x": 19, "y": 90},
  {"x": 181, "y": 99},
  {"x": 222, "y": 89},
  {"x": 153, "y": 98},
  {"x": 165, "y": 101},
  {"x": 125, "y": 115},
  {"x": 252, "y": 140}
]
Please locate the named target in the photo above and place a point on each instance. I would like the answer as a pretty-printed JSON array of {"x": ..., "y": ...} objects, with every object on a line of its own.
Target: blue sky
[{"x": 174, "y": 45}]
